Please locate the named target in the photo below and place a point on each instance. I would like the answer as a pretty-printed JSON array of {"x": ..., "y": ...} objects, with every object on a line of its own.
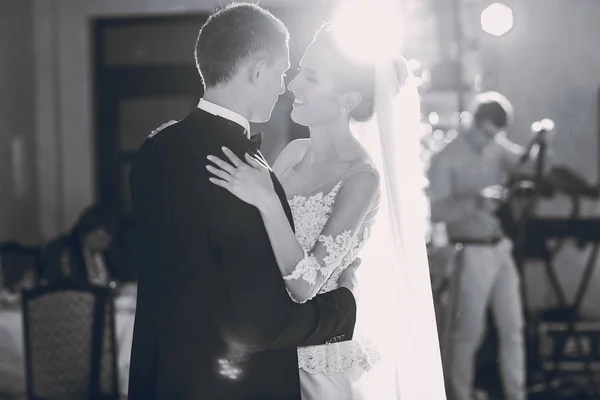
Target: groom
[{"x": 213, "y": 318}]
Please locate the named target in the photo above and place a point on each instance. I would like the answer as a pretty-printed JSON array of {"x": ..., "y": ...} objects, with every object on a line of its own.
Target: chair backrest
[
  {"x": 20, "y": 265},
  {"x": 69, "y": 342},
  {"x": 108, "y": 372}
]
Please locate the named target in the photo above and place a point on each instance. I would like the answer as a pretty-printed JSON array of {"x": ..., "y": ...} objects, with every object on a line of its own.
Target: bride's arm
[{"x": 306, "y": 272}]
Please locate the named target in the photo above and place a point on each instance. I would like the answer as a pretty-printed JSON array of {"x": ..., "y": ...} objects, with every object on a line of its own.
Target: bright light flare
[
  {"x": 545, "y": 124},
  {"x": 497, "y": 19},
  {"x": 368, "y": 30}
]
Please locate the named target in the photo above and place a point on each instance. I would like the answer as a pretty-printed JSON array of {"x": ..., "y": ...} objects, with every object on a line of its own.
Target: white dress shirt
[{"x": 223, "y": 112}]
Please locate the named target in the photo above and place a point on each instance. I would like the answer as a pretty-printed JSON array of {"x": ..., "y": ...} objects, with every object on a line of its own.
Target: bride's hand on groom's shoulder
[{"x": 249, "y": 181}]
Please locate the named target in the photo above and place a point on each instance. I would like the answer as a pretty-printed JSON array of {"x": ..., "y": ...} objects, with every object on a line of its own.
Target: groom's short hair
[{"x": 232, "y": 35}]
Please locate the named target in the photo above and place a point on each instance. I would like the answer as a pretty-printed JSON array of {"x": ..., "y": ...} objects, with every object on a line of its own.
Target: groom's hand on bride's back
[{"x": 348, "y": 278}]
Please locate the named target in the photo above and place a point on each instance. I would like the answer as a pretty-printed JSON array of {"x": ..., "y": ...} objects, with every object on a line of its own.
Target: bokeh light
[
  {"x": 497, "y": 19},
  {"x": 545, "y": 124},
  {"x": 434, "y": 118},
  {"x": 414, "y": 64}
]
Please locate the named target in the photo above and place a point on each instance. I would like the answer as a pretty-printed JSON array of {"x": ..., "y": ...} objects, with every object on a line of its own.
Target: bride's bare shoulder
[
  {"x": 363, "y": 160},
  {"x": 290, "y": 155}
]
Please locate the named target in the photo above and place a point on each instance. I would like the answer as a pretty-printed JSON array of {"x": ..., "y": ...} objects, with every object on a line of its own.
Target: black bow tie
[{"x": 257, "y": 139}]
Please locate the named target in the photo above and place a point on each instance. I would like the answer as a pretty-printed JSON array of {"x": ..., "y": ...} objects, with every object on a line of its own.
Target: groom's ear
[
  {"x": 351, "y": 100},
  {"x": 255, "y": 70}
]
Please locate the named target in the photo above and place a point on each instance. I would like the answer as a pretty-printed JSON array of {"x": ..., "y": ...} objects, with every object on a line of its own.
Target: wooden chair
[{"x": 69, "y": 335}]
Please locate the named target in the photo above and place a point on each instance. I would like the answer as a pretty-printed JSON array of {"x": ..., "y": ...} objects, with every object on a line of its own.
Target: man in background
[{"x": 465, "y": 188}]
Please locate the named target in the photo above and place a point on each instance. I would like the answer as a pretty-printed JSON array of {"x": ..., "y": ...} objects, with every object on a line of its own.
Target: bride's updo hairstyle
[{"x": 354, "y": 75}]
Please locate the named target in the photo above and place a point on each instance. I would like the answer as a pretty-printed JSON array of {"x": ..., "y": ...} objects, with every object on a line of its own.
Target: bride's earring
[{"x": 343, "y": 110}]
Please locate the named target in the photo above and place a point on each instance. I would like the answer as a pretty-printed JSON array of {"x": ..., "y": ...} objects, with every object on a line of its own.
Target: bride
[{"x": 354, "y": 189}]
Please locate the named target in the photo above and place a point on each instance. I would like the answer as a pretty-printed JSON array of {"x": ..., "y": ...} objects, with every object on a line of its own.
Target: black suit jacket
[{"x": 209, "y": 288}]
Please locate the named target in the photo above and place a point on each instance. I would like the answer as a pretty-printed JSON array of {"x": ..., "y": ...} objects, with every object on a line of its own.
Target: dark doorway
[{"x": 145, "y": 75}]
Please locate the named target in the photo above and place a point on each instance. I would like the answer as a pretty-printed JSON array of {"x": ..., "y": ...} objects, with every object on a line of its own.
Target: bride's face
[{"x": 317, "y": 100}]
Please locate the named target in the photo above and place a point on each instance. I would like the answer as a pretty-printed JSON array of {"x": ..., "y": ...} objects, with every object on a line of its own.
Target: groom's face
[{"x": 269, "y": 85}]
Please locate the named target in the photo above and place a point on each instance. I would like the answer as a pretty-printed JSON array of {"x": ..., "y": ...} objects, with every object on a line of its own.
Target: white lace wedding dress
[{"x": 332, "y": 226}]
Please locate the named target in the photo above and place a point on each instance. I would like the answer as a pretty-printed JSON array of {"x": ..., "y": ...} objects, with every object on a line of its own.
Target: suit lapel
[
  {"x": 278, "y": 189},
  {"x": 283, "y": 198}
]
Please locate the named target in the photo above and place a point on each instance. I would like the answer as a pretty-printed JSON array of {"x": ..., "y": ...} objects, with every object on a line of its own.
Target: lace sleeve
[{"x": 339, "y": 235}]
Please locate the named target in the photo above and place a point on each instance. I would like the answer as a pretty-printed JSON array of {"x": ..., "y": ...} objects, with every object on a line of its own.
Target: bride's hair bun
[{"x": 365, "y": 109}]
